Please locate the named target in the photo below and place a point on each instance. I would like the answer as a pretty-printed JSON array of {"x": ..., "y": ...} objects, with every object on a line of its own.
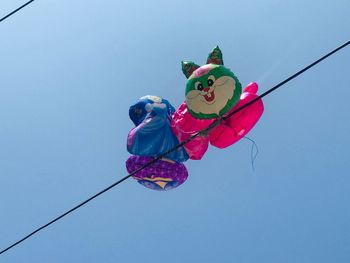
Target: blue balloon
[{"x": 153, "y": 135}]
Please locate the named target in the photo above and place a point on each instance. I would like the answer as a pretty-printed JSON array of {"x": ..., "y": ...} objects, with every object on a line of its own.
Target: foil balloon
[
  {"x": 152, "y": 137},
  {"x": 162, "y": 175},
  {"x": 213, "y": 91}
]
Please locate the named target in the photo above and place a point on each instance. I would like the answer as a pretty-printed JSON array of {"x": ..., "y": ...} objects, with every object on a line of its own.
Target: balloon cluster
[{"x": 212, "y": 92}]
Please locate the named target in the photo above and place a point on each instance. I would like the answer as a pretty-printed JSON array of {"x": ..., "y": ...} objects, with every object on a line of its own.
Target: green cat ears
[
  {"x": 214, "y": 57},
  {"x": 188, "y": 67}
]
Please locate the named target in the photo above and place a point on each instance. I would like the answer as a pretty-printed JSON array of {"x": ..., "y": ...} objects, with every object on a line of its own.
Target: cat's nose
[{"x": 206, "y": 89}]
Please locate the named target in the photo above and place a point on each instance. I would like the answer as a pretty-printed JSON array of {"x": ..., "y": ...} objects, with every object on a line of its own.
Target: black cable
[
  {"x": 287, "y": 80},
  {"x": 16, "y": 10},
  {"x": 202, "y": 132}
]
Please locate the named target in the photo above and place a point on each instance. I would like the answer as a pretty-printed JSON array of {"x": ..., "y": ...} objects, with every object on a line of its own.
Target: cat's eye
[
  {"x": 211, "y": 80},
  {"x": 198, "y": 86}
]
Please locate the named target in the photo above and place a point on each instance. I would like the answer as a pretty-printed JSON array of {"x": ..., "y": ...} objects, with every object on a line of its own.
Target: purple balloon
[{"x": 161, "y": 175}]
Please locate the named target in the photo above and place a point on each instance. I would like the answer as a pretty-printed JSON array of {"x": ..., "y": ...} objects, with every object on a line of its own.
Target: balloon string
[
  {"x": 202, "y": 132},
  {"x": 252, "y": 154}
]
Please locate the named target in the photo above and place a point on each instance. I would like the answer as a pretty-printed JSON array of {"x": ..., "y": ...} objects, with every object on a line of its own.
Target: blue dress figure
[{"x": 152, "y": 135}]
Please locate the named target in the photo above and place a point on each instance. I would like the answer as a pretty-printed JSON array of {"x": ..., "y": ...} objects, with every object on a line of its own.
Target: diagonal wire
[
  {"x": 202, "y": 132},
  {"x": 16, "y": 10},
  {"x": 286, "y": 80}
]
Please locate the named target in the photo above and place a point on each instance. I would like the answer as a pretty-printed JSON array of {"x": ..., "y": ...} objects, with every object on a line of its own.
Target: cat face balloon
[{"x": 211, "y": 90}]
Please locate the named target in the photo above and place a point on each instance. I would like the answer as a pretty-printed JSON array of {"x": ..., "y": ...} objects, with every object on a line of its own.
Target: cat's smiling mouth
[
  {"x": 211, "y": 99},
  {"x": 209, "y": 96}
]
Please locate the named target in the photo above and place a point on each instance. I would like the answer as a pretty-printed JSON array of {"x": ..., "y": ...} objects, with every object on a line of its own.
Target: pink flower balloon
[{"x": 226, "y": 133}]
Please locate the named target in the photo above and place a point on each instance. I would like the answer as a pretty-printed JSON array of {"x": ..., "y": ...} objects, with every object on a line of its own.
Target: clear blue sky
[{"x": 69, "y": 70}]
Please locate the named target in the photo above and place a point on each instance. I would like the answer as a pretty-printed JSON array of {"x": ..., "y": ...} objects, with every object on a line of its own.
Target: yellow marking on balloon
[
  {"x": 157, "y": 179},
  {"x": 153, "y": 98},
  {"x": 168, "y": 160},
  {"x": 161, "y": 184}
]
